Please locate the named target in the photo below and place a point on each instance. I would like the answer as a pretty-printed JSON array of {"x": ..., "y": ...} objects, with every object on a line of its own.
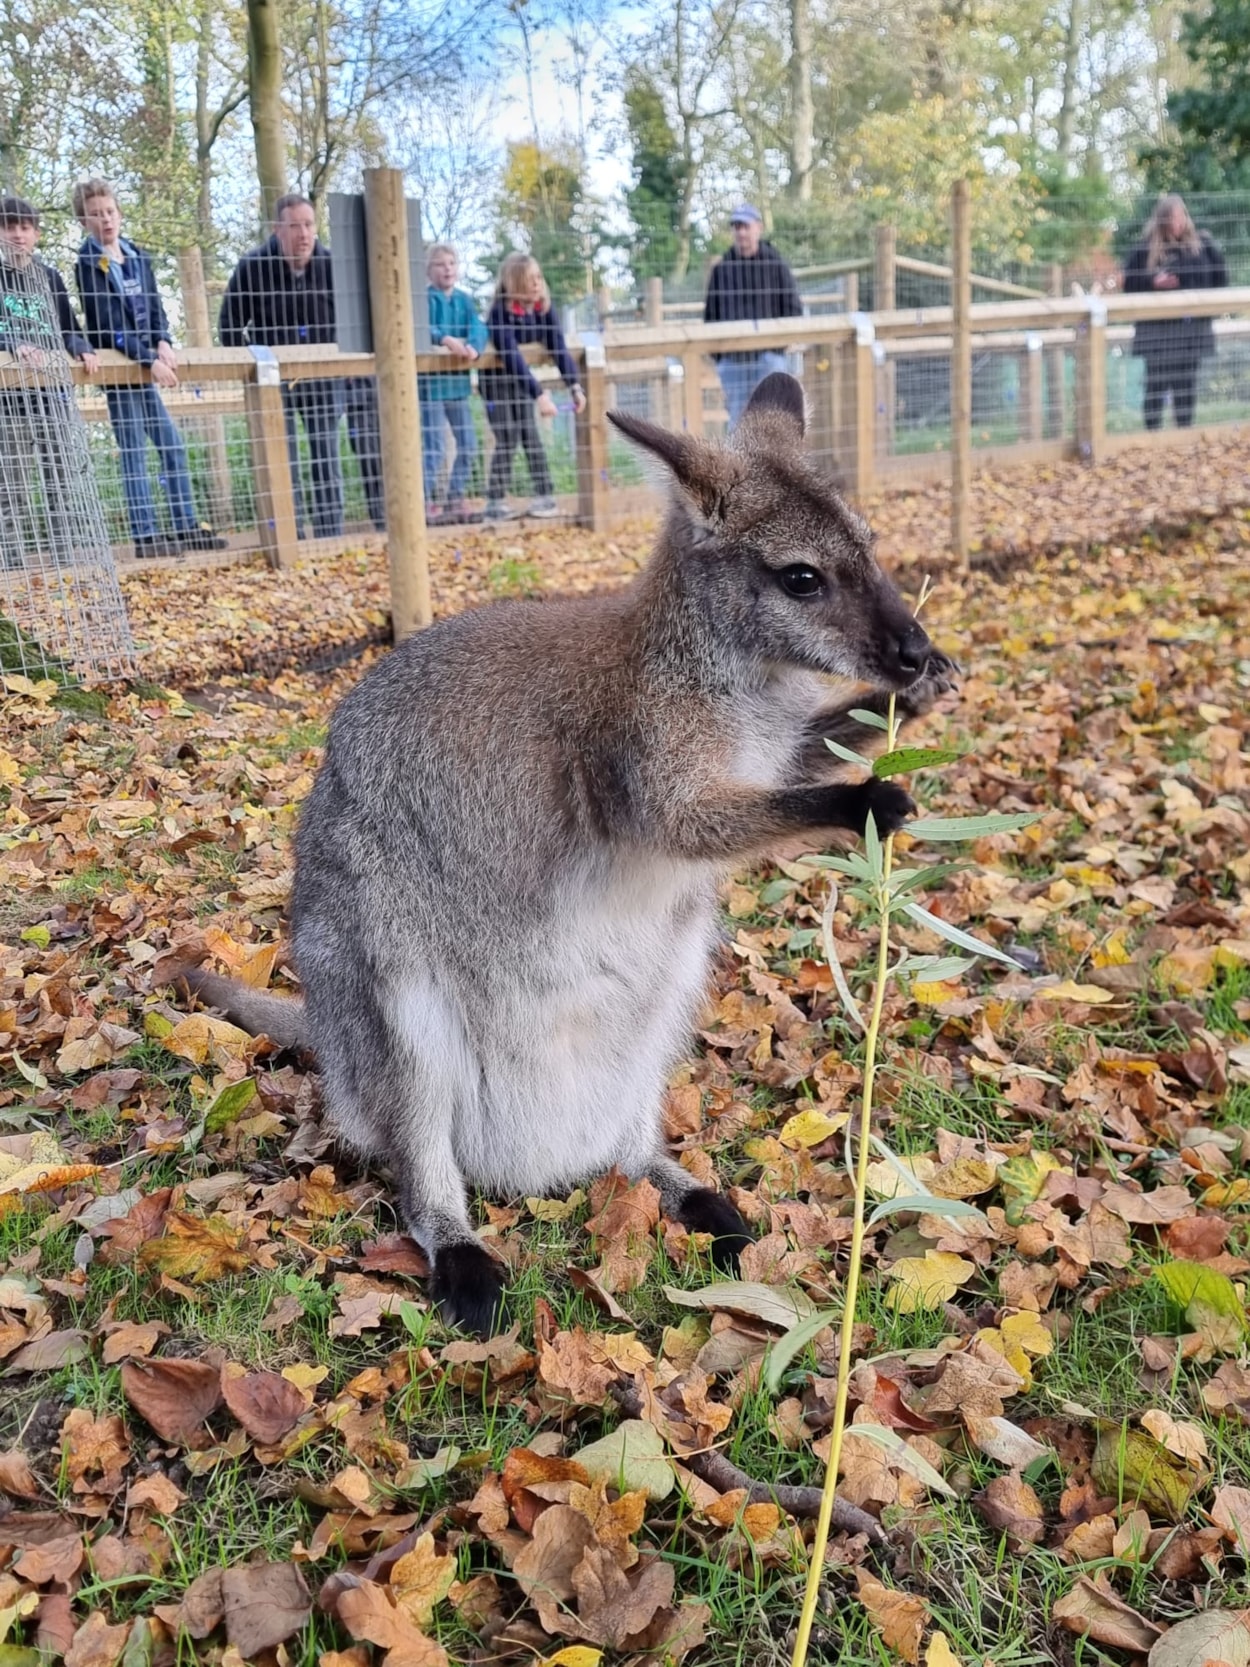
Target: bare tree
[
  {"x": 264, "y": 55},
  {"x": 802, "y": 107}
]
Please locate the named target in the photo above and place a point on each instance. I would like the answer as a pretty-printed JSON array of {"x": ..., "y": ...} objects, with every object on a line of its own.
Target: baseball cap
[{"x": 744, "y": 215}]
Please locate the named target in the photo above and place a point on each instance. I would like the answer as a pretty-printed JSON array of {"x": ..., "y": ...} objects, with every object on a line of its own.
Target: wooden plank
[
  {"x": 271, "y": 472},
  {"x": 1091, "y": 388},
  {"x": 692, "y": 392},
  {"x": 592, "y": 450},
  {"x": 399, "y": 418}
]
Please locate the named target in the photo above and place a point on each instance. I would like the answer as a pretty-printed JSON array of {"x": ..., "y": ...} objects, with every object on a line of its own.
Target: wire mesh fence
[{"x": 61, "y": 611}]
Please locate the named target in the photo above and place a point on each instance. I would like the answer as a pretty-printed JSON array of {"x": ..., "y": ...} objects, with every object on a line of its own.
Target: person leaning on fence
[
  {"x": 521, "y": 315},
  {"x": 749, "y": 283},
  {"x": 123, "y": 310},
  {"x": 454, "y": 325},
  {"x": 1173, "y": 254},
  {"x": 37, "y": 325},
  {"x": 281, "y": 294}
]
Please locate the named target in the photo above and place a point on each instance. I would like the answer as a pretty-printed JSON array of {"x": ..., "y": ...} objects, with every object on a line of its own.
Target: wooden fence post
[
  {"x": 271, "y": 465},
  {"x": 692, "y": 392},
  {"x": 885, "y": 300},
  {"x": 961, "y": 369},
  {"x": 653, "y": 301},
  {"x": 1091, "y": 383},
  {"x": 210, "y": 426},
  {"x": 1054, "y": 365},
  {"x": 859, "y": 413},
  {"x": 1031, "y": 417},
  {"x": 395, "y": 347},
  {"x": 592, "y": 445}
]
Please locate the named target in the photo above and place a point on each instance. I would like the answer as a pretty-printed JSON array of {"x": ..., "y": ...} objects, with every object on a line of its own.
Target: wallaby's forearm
[{"x": 730, "y": 822}]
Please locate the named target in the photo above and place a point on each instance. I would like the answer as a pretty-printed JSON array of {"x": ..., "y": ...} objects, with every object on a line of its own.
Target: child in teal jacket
[{"x": 455, "y": 325}]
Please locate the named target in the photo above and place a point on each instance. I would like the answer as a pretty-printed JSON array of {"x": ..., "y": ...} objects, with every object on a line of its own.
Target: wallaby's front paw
[
  {"x": 889, "y": 804},
  {"x": 468, "y": 1286},
  {"x": 940, "y": 675},
  {"x": 705, "y": 1211}
]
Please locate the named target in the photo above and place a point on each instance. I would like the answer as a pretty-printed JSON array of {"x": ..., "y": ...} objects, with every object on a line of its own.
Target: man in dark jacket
[
  {"x": 282, "y": 295},
  {"x": 750, "y": 282},
  {"x": 122, "y": 309}
]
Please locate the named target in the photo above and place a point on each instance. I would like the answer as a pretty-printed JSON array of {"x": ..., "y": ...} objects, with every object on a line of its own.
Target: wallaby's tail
[{"x": 259, "y": 1012}]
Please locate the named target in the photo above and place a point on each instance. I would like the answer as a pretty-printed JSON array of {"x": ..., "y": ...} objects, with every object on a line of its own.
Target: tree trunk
[
  {"x": 204, "y": 127},
  {"x": 802, "y": 113},
  {"x": 264, "y": 53},
  {"x": 1066, "y": 124}
]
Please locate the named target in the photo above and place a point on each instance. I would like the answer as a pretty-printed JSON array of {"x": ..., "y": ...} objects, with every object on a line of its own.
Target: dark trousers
[
  {"x": 513, "y": 423},
  {"x": 1175, "y": 373},
  {"x": 364, "y": 430},
  {"x": 318, "y": 403}
]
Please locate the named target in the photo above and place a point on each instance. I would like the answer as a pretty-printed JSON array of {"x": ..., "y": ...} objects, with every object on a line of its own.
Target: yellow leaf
[
  {"x": 10, "y": 773},
  {"x": 927, "y": 1281},
  {"x": 885, "y": 1181},
  {"x": 1090, "y": 994},
  {"x": 576, "y": 1655},
  {"x": 1114, "y": 953},
  {"x": 196, "y": 1248},
  {"x": 201, "y": 1037},
  {"x": 939, "y": 1653},
  {"x": 1187, "y": 971},
  {"x": 809, "y": 1128},
  {"x": 421, "y": 1579},
  {"x": 1026, "y": 1331},
  {"x": 962, "y": 1178},
  {"x": 933, "y": 995},
  {"x": 1011, "y": 1352}
]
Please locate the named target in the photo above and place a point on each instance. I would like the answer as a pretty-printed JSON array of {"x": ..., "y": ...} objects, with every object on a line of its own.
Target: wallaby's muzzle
[{"x": 911, "y": 650}]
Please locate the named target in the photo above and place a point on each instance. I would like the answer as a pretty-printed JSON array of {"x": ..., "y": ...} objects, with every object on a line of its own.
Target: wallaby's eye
[{"x": 800, "y": 580}]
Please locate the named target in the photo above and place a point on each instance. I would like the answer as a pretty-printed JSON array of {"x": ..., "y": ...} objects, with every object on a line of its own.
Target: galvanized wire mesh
[{"x": 61, "y": 610}]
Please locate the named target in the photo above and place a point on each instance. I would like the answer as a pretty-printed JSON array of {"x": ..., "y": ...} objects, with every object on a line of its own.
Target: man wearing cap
[{"x": 750, "y": 282}]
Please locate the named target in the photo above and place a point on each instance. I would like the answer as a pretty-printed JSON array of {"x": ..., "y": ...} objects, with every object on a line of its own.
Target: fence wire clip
[
  {"x": 1097, "y": 311},
  {"x": 865, "y": 332},
  {"x": 267, "y": 372}
]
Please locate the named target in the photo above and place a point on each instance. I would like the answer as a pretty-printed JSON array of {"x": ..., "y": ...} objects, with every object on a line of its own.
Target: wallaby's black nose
[{"x": 913, "y": 650}]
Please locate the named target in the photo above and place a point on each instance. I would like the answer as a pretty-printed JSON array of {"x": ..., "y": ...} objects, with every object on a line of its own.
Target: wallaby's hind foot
[
  {"x": 705, "y": 1211},
  {"x": 467, "y": 1283}
]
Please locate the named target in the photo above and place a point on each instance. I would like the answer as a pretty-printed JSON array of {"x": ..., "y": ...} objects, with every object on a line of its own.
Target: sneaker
[
  {"x": 497, "y": 510},
  {"x": 435, "y": 515},
  {"x": 158, "y": 546},
  {"x": 457, "y": 513},
  {"x": 543, "y": 509},
  {"x": 203, "y": 538}
]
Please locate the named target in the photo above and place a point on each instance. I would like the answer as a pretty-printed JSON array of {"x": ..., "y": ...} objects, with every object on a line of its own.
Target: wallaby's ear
[
  {"x": 777, "y": 405},
  {"x": 705, "y": 473}
]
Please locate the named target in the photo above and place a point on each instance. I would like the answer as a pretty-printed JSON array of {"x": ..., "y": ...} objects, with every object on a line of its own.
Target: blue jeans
[
  {"x": 437, "y": 416},
  {"x": 740, "y": 378},
  {"x": 319, "y": 404},
  {"x": 138, "y": 415}
]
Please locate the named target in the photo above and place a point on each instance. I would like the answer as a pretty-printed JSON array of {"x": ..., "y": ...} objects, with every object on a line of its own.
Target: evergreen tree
[{"x": 659, "y": 178}]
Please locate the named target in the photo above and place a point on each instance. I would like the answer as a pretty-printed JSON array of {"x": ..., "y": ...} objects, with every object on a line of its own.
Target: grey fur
[{"x": 506, "y": 871}]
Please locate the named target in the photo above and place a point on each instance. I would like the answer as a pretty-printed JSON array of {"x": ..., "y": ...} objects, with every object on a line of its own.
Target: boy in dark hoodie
[
  {"x": 122, "y": 308},
  {"x": 282, "y": 295},
  {"x": 39, "y": 428},
  {"x": 750, "y": 282}
]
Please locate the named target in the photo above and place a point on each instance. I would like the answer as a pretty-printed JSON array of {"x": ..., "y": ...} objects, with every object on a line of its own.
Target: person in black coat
[
  {"x": 750, "y": 282},
  {"x": 282, "y": 295},
  {"x": 1173, "y": 254}
]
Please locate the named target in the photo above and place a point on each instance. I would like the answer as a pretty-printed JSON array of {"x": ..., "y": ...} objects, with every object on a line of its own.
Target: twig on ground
[{"x": 718, "y": 1472}]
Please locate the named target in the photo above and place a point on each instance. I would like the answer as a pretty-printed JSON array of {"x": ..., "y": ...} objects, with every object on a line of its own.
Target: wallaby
[{"x": 505, "y": 897}]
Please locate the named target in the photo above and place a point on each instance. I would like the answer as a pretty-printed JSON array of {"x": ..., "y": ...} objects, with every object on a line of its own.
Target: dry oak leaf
[
  {"x": 263, "y": 1604},
  {"x": 197, "y": 1248},
  {"x": 544, "y": 1567},
  {"x": 1231, "y": 1510},
  {"x": 1092, "y": 1609},
  {"x": 1216, "y": 1635},
  {"x": 129, "y": 1339},
  {"x": 623, "y": 1230},
  {"x": 45, "y": 1354},
  {"x": 899, "y": 1617},
  {"x": 362, "y": 1305},
  {"x": 201, "y": 1037},
  {"x": 155, "y": 1493},
  {"x": 1153, "y": 1209},
  {"x": 1011, "y": 1506},
  {"x": 759, "y": 1522},
  {"x": 572, "y": 1367},
  {"x": 614, "y": 1521},
  {"x": 96, "y": 1448},
  {"x": 1184, "y": 1439},
  {"x": 16, "y": 1476},
  {"x": 267, "y": 1404},
  {"x": 97, "y": 1644},
  {"x": 613, "y": 1605},
  {"x": 58, "y": 1560},
  {"x": 173, "y": 1396},
  {"x": 369, "y": 1613},
  {"x": 421, "y": 1579},
  {"x": 1229, "y": 1391}
]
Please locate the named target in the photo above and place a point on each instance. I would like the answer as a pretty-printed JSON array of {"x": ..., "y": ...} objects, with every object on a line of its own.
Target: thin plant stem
[{"x": 847, "y": 1329}]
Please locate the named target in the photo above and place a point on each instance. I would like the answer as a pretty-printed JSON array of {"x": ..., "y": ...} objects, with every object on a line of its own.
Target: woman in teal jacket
[{"x": 455, "y": 325}]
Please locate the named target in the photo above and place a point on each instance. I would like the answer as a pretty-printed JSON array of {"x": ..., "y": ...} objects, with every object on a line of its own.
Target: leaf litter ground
[{"x": 234, "y": 1431}]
